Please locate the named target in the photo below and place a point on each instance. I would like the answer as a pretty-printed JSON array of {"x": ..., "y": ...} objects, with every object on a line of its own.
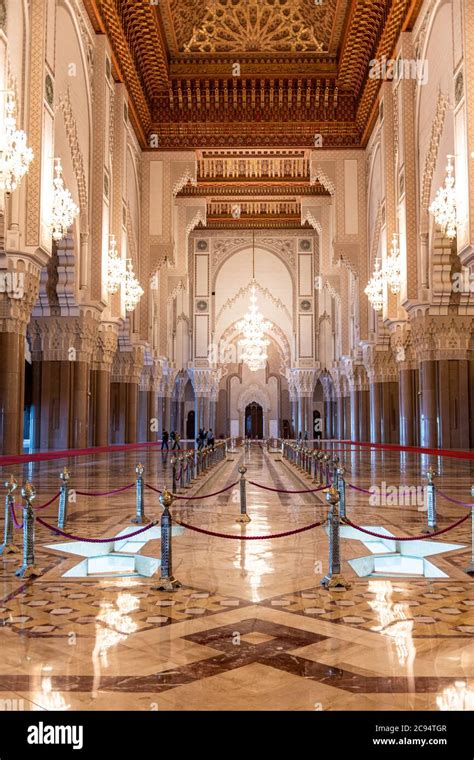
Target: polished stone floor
[{"x": 251, "y": 628}]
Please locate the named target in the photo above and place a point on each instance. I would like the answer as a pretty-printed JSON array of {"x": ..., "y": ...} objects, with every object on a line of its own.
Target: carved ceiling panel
[{"x": 252, "y": 26}]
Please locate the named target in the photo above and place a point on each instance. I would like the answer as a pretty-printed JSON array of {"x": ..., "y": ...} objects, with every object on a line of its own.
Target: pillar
[
  {"x": 428, "y": 422},
  {"x": 354, "y": 414},
  {"x": 340, "y": 417},
  {"x": 406, "y": 406},
  {"x": 364, "y": 414},
  {"x": 375, "y": 412}
]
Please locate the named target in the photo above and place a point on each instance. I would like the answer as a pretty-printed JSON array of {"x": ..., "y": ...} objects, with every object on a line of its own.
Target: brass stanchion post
[
  {"x": 334, "y": 579},
  {"x": 28, "y": 568},
  {"x": 167, "y": 581},
  {"x": 139, "y": 518},
  {"x": 243, "y": 518},
  {"x": 8, "y": 546}
]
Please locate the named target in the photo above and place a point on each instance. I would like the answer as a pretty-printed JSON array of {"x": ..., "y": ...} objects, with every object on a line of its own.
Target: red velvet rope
[
  {"x": 248, "y": 538},
  {"x": 95, "y": 540},
  {"x": 410, "y": 449},
  {"x": 43, "y": 506},
  {"x": 406, "y": 538},
  {"x": 454, "y": 501},
  {"x": 362, "y": 490},
  {"x": 206, "y": 496},
  {"x": 17, "y": 524},
  {"x": 282, "y": 490},
  {"x": 105, "y": 493}
]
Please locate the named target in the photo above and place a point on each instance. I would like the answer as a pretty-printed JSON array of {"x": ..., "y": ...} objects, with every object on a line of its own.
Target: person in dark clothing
[
  {"x": 176, "y": 439},
  {"x": 164, "y": 440},
  {"x": 210, "y": 439}
]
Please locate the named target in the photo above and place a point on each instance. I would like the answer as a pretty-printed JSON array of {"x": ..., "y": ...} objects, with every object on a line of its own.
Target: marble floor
[{"x": 251, "y": 628}]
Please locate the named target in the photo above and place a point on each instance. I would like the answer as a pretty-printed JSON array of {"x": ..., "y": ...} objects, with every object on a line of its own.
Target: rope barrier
[
  {"x": 248, "y": 538},
  {"x": 282, "y": 490},
  {"x": 43, "y": 506},
  {"x": 17, "y": 524},
  {"x": 454, "y": 501},
  {"x": 406, "y": 538},
  {"x": 105, "y": 493},
  {"x": 54, "y": 529},
  {"x": 206, "y": 496},
  {"x": 362, "y": 490}
]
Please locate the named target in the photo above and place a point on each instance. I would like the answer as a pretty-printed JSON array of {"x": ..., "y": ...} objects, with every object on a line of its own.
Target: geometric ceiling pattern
[
  {"x": 302, "y": 68},
  {"x": 252, "y": 86}
]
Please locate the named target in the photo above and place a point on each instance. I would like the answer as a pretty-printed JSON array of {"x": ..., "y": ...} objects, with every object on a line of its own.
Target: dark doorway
[
  {"x": 190, "y": 426},
  {"x": 254, "y": 420},
  {"x": 317, "y": 425}
]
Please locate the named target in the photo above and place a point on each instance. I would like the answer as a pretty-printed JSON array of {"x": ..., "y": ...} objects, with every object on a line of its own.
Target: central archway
[{"x": 254, "y": 420}]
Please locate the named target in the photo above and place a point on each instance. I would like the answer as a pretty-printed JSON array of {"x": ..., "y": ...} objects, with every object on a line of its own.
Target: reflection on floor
[{"x": 251, "y": 628}]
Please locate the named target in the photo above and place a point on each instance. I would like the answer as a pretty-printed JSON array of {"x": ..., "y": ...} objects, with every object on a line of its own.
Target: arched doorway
[
  {"x": 254, "y": 420},
  {"x": 190, "y": 426}
]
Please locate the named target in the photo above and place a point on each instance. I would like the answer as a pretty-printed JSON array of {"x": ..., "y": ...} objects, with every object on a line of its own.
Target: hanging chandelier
[
  {"x": 133, "y": 289},
  {"x": 15, "y": 155},
  {"x": 253, "y": 344},
  {"x": 392, "y": 267},
  {"x": 443, "y": 207},
  {"x": 63, "y": 208},
  {"x": 115, "y": 267},
  {"x": 374, "y": 288}
]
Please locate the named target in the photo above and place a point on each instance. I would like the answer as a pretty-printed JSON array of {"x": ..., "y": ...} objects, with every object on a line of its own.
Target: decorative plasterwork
[
  {"x": 251, "y": 393},
  {"x": 318, "y": 175},
  {"x": 307, "y": 216},
  {"x": 223, "y": 248},
  {"x": 432, "y": 152},
  {"x": 253, "y": 26},
  {"x": 376, "y": 234},
  {"x": 265, "y": 292},
  {"x": 65, "y": 107}
]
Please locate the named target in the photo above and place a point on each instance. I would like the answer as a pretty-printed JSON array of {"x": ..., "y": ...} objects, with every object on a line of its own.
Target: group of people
[
  {"x": 175, "y": 439},
  {"x": 205, "y": 438}
]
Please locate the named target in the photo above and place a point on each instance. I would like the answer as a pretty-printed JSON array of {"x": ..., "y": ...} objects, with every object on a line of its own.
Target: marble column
[
  {"x": 406, "y": 405},
  {"x": 340, "y": 417},
  {"x": 100, "y": 381},
  {"x": 12, "y": 391},
  {"x": 354, "y": 414},
  {"x": 453, "y": 399},
  {"x": 428, "y": 422},
  {"x": 375, "y": 412},
  {"x": 364, "y": 414}
]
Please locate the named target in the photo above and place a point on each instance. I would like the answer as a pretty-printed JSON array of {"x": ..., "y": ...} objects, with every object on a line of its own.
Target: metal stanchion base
[
  {"x": 336, "y": 581},
  {"x": 139, "y": 520},
  {"x": 9, "y": 549},
  {"x": 470, "y": 569},
  {"x": 243, "y": 518},
  {"x": 29, "y": 571},
  {"x": 167, "y": 584},
  {"x": 430, "y": 530}
]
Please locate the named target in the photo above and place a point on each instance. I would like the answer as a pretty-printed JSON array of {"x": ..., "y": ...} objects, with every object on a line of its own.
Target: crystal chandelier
[
  {"x": 443, "y": 207},
  {"x": 63, "y": 209},
  {"x": 392, "y": 267},
  {"x": 115, "y": 267},
  {"x": 133, "y": 289},
  {"x": 253, "y": 345},
  {"x": 374, "y": 288},
  {"x": 15, "y": 155}
]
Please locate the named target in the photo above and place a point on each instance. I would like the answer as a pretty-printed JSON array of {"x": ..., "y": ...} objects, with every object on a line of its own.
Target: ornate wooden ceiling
[{"x": 257, "y": 73}]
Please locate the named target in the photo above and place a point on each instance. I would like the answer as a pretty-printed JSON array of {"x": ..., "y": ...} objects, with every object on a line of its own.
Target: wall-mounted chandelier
[
  {"x": 392, "y": 267},
  {"x": 253, "y": 345},
  {"x": 15, "y": 155},
  {"x": 443, "y": 207},
  {"x": 63, "y": 208},
  {"x": 133, "y": 289},
  {"x": 374, "y": 288},
  {"x": 115, "y": 267}
]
